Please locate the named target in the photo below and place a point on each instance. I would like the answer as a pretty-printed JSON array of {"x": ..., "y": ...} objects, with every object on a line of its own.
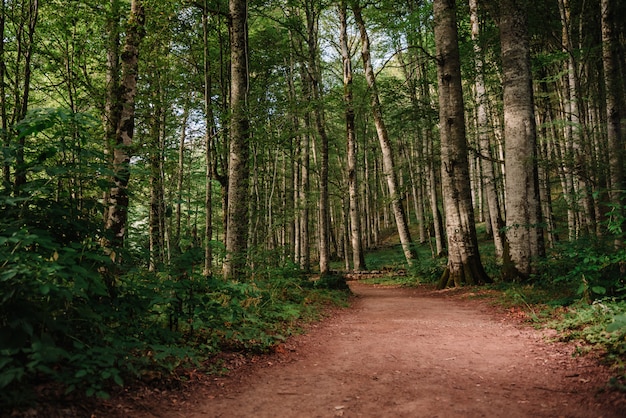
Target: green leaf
[
  {"x": 102, "y": 394},
  {"x": 118, "y": 380},
  {"x": 44, "y": 289},
  {"x": 619, "y": 322},
  {"x": 598, "y": 290}
]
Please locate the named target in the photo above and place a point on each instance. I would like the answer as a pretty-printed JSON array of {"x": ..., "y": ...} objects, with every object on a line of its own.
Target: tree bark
[
  {"x": 617, "y": 188},
  {"x": 238, "y": 168},
  {"x": 358, "y": 258},
  {"x": 117, "y": 213},
  {"x": 483, "y": 126},
  {"x": 314, "y": 75},
  {"x": 464, "y": 265},
  {"x": 209, "y": 137},
  {"x": 157, "y": 187},
  {"x": 4, "y": 137},
  {"x": 523, "y": 222},
  {"x": 385, "y": 144},
  {"x": 22, "y": 87}
]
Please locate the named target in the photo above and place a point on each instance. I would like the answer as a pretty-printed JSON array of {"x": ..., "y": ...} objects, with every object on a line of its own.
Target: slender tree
[
  {"x": 312, "y": 10},
  {"x": 613, "y": 115},
  {"x": 483, "y": 126},
  {"x": 25, "y": 37},
  {"x": 238, "y": 169},
  {"x": 4, "y": 136},
  {"x": 209, "y": 137},
  {"x": 117, "y": 212},
  {"x": 385, "y": 143},
  {"x": 358, "y": 258}
]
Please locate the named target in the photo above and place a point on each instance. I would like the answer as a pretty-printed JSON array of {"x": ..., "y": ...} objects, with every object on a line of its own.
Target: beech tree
[
  {"x": 385, "y": 144},
  {"x": 358, "y": 258},
  {"x": 117, "y": 199},
  {"x": 523, "y": 211},
  {"x": 464, "y": 264},
  {"x": 614, "y": 97},
  {"x": 483, "y": 127},
  {"x": 238, "y": 168}
]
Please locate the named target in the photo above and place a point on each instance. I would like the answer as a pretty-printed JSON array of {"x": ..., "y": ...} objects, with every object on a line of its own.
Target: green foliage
[
  {"x": 65, "y": 323},
  {"x": 589, "y": 268},
  {"x": 602, "y": 323}
]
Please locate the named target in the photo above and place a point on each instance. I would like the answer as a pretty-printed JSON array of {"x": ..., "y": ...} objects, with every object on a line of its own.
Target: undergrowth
[{"x": 62, "y": 326}]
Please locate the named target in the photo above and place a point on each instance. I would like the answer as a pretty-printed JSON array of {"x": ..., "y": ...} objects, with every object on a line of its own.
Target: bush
[{"x": 592, "y": 269}]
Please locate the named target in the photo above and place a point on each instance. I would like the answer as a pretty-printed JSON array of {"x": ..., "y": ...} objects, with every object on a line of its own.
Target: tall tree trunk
[
  {"x": 385, "y": 144},
  {"x": 22, "y": 90},
  {"x": 358, "y": 258},
  {"x": 415, "y": 153},
  {"x": 112, "y": 108},
  {"x": 305, "y": 248},
  {"x": 575, "y": 162},
  {"x": 483, "y": 126},
  {"x": 314, "y": 75},
  {"x": 4, "y": 135},
  {"x": 238, "y": 168},
  {"x": 117, "y": 213},
  {"x": 209, "y": 137},
  {"x": 524, "y": 231},
  {"x": 614, "y": 89},
  {"x": 180, "y": 176},
  {"x": 433, "y": 186},
  {"x": 157, "y": 192},
  {"x": 464, "y": 265}
]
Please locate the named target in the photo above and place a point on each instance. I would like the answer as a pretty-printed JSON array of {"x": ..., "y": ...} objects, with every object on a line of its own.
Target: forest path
[{"x": 402, "y": 352}]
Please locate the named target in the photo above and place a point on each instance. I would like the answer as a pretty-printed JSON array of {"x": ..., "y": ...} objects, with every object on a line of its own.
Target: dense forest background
[{"x": 173, "y": 171}]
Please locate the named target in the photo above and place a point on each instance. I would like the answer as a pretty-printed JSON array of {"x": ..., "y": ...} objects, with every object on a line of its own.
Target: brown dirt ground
[{"x": 397, "y": 352}]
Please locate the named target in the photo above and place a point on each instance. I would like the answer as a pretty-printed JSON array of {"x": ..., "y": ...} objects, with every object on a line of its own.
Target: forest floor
[{"x": 397, "y": 352}]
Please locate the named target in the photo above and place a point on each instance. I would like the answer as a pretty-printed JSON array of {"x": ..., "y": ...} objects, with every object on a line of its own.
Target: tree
[
  {"x": 483, "y": 127},
  {"x": 4, "y": 137},
  {"x": 464, "y": 265},
  {"x": 523, "y": 223},
  {"x": 16, "y": 72},
  {"x": 117, "y": 211},
  {"x": 312, "y": 10},
  {"x": 238, "y": 169},
  {"x": 385, "y": 143},
  {"x": 358, "y": 259},
  {"x": 613, "y": 115}
]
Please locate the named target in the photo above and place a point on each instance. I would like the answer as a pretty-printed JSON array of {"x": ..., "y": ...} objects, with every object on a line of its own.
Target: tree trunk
[
  {"x": 464, "y": 265},
  {"x": 358, "y": 258},
  {"x": 117, "y": 212},
  {"x": 238, "y": 169},
  {"x": 157, "y": 192},
  {"x": 180, "y": 176},
  {"x": 209, "y": 137},
  {"x": 4, "y": 137},
  {"x": 489, "y": 178},
  {"x": 524, "y": 231},
  {"x": 314, "y": 73},
  {"x": 614, "y": 94},
  {"x": 22, "y": 88},
  {"x": 385, "y": 144},
  {"x": 112, "y": 108}
]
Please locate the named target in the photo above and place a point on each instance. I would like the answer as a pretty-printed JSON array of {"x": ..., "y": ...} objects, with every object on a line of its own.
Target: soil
[{"x": 398, "y": 352}]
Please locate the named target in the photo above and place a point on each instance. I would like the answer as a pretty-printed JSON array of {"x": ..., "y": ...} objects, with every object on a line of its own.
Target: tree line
[{"x": 205, "y": 139}]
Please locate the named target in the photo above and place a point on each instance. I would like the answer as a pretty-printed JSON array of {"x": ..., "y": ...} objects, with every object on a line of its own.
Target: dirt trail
[{"x": 412, "y": 353}]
